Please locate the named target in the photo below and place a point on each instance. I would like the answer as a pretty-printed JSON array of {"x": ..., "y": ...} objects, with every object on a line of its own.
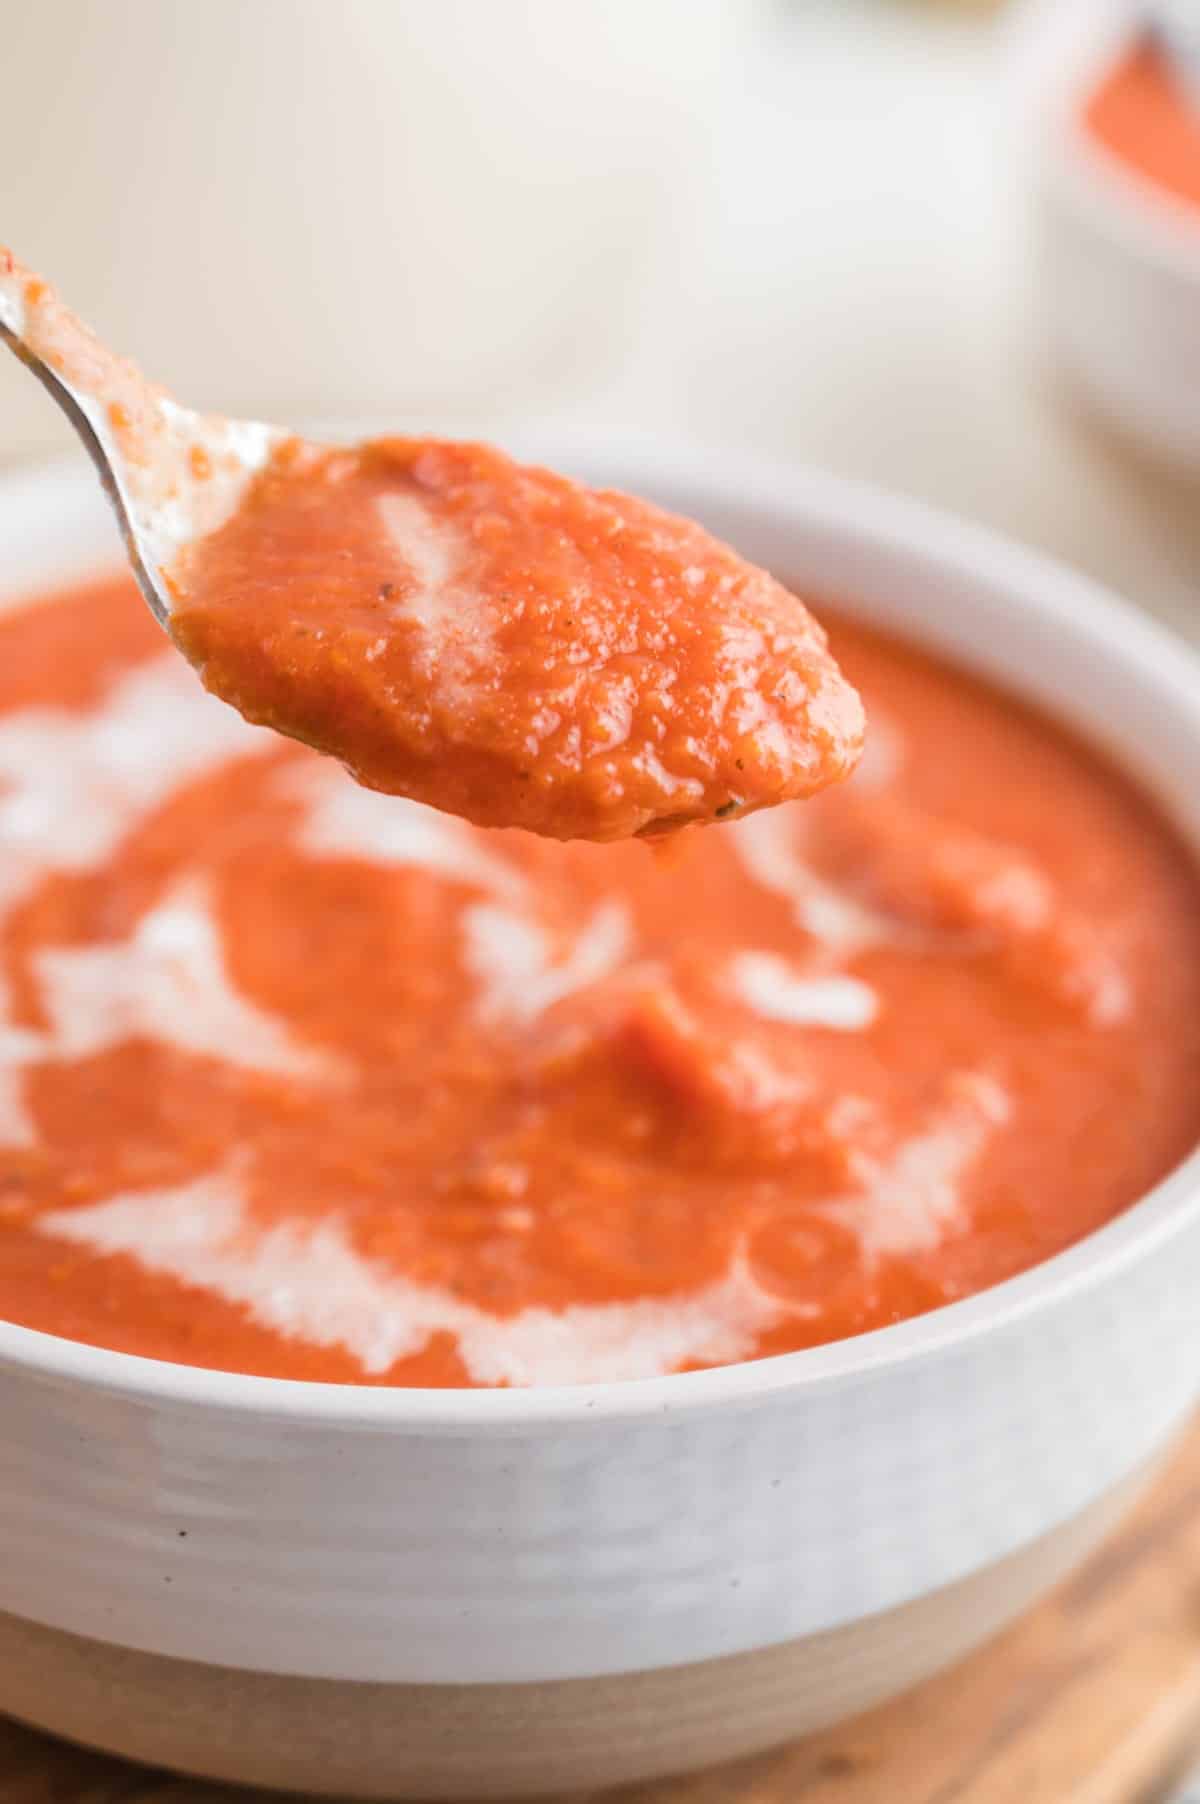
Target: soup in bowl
[{"x": 448, "y": 1275}]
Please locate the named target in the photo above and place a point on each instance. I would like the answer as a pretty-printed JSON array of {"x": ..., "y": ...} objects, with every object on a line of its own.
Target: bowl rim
[
  {"x": 1032, "y": 583},
  {"x": 1148, "y": 221}
]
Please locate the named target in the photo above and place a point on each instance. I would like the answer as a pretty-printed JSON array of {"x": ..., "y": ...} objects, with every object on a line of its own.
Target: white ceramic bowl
[
  {"x": 1119, "y": 276},
  {"x": 409, "y": 1592}
]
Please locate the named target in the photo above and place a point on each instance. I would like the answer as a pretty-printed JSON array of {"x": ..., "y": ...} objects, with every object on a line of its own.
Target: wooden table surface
[{"x": 1094, "y": 1698}]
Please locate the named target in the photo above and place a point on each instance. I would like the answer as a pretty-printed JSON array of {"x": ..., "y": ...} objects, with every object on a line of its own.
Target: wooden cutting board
[{"x": 1094, "y": 1698}]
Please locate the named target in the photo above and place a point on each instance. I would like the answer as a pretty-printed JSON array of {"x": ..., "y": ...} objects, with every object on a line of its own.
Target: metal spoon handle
[
  {"x": 172, "y": 475},
  {"x": 1174, "y": 26},
  {"x": 80, "y": 417}
]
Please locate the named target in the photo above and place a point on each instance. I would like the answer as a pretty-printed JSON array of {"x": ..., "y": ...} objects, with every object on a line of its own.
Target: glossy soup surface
[{"x": 300, "y": 1079}]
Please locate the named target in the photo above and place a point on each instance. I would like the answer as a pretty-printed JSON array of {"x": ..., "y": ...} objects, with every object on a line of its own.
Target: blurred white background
[
  {"x": 313, "y": 207},
  {"x": 796, "y": 224}
]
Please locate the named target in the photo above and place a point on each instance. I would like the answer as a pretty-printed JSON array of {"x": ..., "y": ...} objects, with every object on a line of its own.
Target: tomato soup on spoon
[{"x": 511, "y": 646}]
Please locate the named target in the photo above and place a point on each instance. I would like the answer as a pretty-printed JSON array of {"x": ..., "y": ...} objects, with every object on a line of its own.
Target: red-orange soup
[
  {"x": 301, "y": 1080},
  {"x": 510, "y": 646},
  {"x": 1141, "y": 112}
]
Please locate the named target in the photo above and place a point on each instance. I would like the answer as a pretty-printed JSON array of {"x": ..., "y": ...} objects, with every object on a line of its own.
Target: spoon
[
  {"x": 488, "y": 638},
  {"x": 172, "y": 475},
  {"x": 1174, "y": 27}
]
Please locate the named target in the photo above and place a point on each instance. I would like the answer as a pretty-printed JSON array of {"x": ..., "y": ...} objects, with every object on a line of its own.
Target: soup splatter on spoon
[{"x": 492, "y": 639}]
